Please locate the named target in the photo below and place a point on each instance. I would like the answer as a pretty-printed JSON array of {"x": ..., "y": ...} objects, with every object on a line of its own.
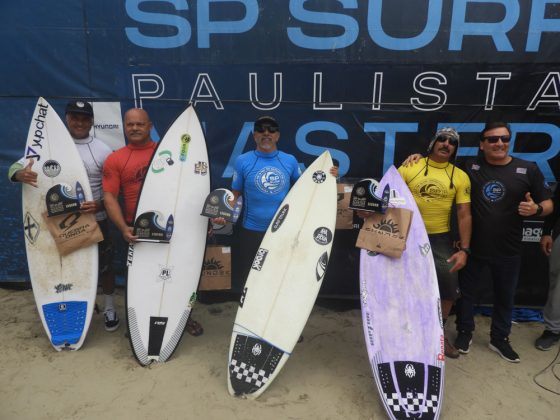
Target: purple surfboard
[{"x": 402, "y": 318}]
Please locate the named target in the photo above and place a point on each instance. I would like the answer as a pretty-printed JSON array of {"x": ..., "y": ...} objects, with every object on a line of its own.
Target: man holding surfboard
[
  {"x": 436, "y": 184},
  {"x": 264, "y": 177},
  {"x": 93, "y": 152},
  {"x": 124, "y": 172}
]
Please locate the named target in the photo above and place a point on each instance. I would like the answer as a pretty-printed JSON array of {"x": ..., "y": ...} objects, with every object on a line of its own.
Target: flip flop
[{"x": 194, "y": 328}]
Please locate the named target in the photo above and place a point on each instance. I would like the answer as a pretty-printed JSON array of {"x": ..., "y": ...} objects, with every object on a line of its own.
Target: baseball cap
[
  {"x": 79, "y": 107},
  {"x": 266, "y": 120}
]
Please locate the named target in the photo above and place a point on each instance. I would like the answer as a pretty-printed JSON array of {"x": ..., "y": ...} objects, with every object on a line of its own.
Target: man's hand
[
  {"x": 546, "y": 245},
  {"x": 128, "y": 235},
  {"x": 27, "y": 175},
  {"x": 459, "y": 260},
  {"x": 334, "y": 171},
  {"x": 528, "y": 207},
  {"x": 412, "y": 159},
  {"x": 89, "y": 207}
]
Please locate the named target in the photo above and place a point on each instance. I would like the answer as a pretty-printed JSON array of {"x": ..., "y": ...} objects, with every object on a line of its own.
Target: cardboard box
[{"x": 216, "y": 270}]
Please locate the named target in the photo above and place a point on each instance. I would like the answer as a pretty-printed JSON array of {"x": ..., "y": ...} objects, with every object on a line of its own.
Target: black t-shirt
[{"x": 496, "y": 192}]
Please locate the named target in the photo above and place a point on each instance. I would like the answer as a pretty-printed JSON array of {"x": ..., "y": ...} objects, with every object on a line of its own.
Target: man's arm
[
  {"x": 464, "y": 221},
  {"x": 114, "y": 212}
]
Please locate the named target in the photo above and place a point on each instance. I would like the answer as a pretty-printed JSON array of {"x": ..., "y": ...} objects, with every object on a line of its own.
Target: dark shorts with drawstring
[{"x": 442, "y": 249}]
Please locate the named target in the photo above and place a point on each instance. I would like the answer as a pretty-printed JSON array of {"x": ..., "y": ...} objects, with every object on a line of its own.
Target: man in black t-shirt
[{"x": 504, "y": 191}]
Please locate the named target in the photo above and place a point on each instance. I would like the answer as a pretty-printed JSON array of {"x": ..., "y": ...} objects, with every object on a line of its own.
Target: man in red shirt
[{"x": 124, "y": 171}]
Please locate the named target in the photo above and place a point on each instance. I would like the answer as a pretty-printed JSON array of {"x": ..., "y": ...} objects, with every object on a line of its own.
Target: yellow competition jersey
[{"x": 432, "y": 193}]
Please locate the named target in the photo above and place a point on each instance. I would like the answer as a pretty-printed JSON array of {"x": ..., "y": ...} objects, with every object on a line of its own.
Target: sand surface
[{"x": 327, "y": 377}]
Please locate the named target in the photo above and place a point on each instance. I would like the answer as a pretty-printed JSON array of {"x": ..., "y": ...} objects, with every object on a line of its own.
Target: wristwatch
[
  {"x": 466, "y": 250},
  {"x": 539, "y": 210}
]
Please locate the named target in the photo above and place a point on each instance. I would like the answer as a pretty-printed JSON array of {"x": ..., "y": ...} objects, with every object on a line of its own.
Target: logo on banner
[
  {"x": 270, "y": 180},
  {"x": 493, "y": 191},
  {"x": 532, "y": 230}
]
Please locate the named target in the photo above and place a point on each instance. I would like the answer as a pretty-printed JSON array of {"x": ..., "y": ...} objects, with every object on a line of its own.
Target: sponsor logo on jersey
[
  {"x": 270, "y": 180},
  {"x": 323, "y": 236},
  {"x": 259, "y": 260},
  {"x": 280, "y": 217},
  {"x": 532, "y": 230},
  {"x": 493, "y": 191},
  {"x": 431, "y": 190},
  {"x": 521, "y": 171}
]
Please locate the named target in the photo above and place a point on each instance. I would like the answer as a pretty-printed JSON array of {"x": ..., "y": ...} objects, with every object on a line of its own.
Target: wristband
[
  {"x": 539, "y": 210},
  {"x": 466, "y": 251}
]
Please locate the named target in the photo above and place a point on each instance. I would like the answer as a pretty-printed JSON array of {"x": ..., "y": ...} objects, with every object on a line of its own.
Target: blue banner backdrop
[{"x": 369, "y": 80}]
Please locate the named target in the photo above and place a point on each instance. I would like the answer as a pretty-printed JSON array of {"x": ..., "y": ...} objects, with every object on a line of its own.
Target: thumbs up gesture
[
  {"x": 528, "y": 207},
  {"x": 27, "y": 175}
]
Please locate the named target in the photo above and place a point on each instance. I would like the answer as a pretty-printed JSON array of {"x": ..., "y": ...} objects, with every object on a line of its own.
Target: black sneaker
[
  {"x": 463, "y": 342},
  {"x": 503, "y": 348},
  {"x": 547, "y": 340},
  {"x": 111, "y": 320}
]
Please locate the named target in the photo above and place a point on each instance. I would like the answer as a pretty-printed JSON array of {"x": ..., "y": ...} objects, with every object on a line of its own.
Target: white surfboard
[
  {"x": 284, "y": 281},
  {"x": 163, "y": 276},
  {"x": 64, "y": 286}
]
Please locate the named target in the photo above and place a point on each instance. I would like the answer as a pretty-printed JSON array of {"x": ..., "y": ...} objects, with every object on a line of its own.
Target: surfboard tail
[{"x": 252, "y": 366}]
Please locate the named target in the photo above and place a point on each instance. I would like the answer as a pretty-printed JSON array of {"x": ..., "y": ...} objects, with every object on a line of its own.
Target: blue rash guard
[{"x": 264, "y": 179}]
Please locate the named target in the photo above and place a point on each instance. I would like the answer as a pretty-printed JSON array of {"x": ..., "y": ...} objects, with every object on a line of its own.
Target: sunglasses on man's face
[
  {"x": 270, "y": 128},
  {"x": 452, "y": 141},
  {"x": 496, "y": 139}
]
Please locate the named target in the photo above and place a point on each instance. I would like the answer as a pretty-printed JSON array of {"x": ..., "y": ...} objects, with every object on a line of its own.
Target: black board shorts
[{"x": 442, "y": 249}]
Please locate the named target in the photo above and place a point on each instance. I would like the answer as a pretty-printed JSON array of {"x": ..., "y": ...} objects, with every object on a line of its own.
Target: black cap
[
  {"x": 79, "y": 107},
  {"x": 266, "y": 120}
]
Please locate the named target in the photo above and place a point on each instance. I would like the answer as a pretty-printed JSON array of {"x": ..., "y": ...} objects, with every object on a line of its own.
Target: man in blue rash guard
[{"x": 264, "y": 177}]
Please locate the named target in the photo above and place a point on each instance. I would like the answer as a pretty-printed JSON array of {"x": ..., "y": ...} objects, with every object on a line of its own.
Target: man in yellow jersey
[{"x": 436, "y": 185}]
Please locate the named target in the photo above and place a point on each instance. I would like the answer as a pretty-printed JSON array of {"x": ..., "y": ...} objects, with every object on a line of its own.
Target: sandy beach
[{"x": 327, "y": 377}]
